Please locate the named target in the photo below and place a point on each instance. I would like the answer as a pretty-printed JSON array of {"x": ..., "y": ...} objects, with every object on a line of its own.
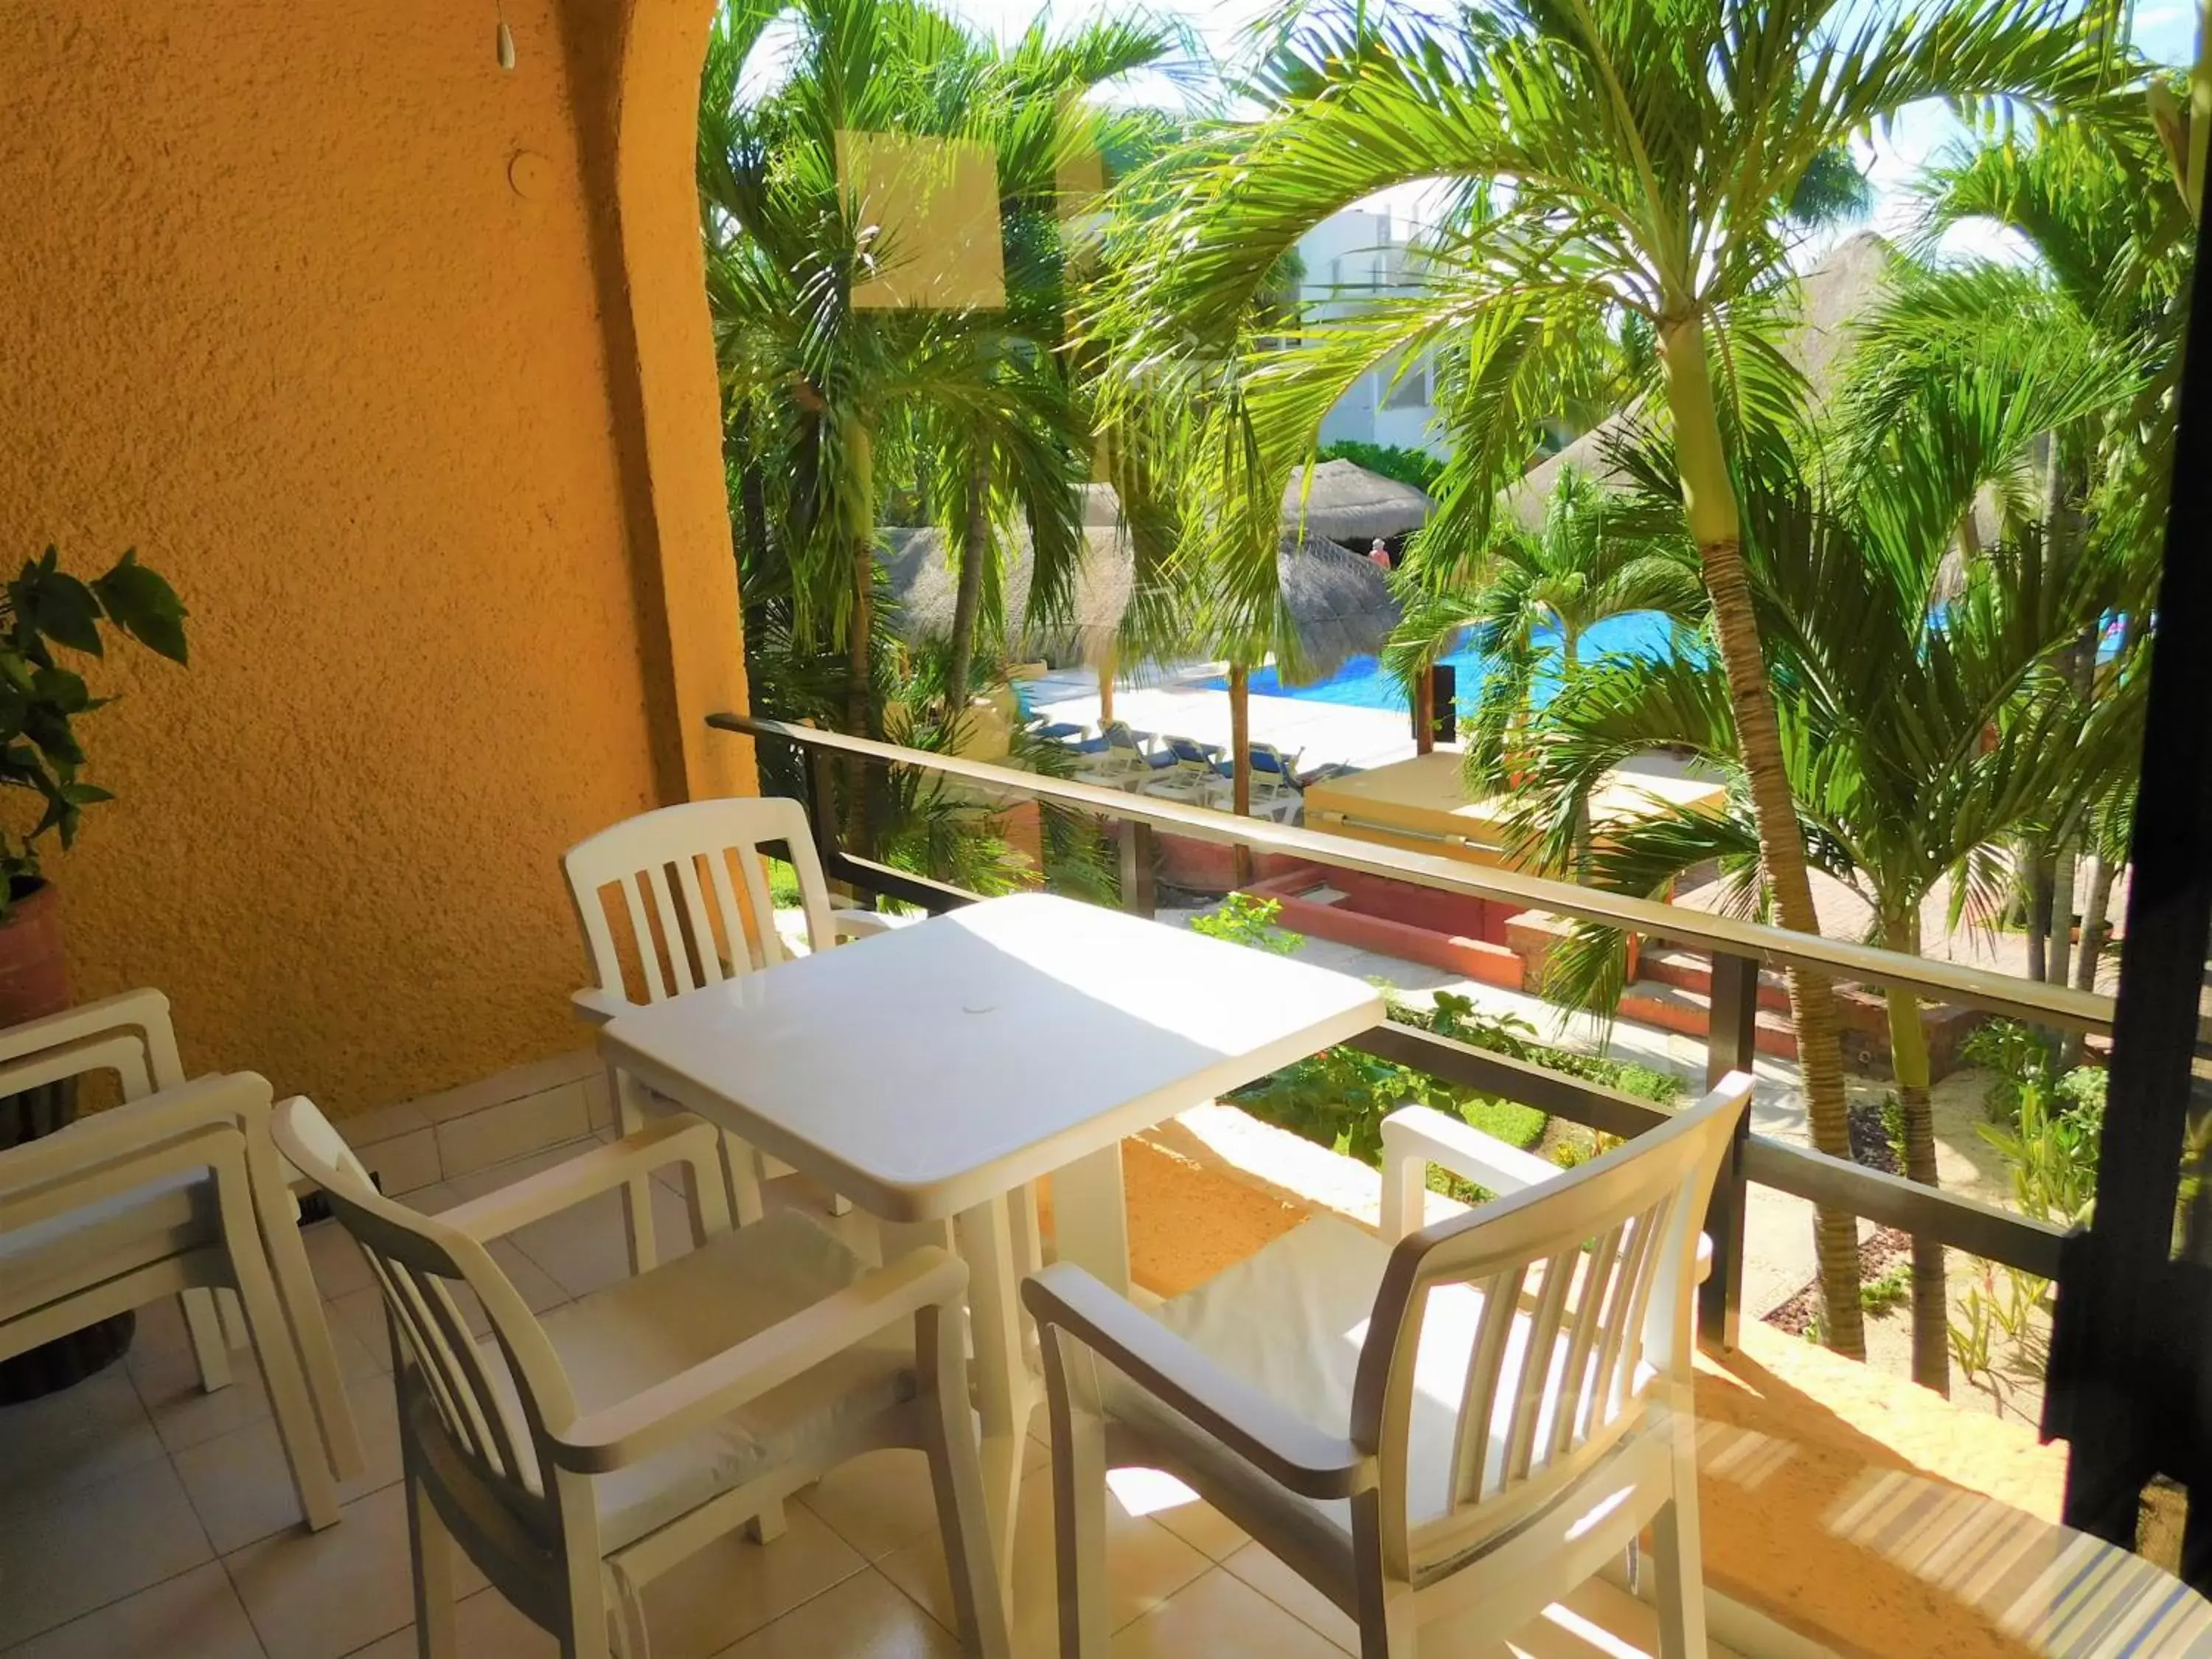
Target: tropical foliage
[
  {"x": 1908, "y": 603},
  {"x": 41, "y": 696},
  {"x": 1610, "y": 162}
]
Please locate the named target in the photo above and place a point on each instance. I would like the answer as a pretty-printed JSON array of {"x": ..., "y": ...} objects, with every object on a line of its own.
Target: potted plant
[{"x": 44, "y": 608}]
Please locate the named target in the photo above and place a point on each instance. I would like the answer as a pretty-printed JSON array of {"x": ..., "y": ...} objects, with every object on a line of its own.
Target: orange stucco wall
[{"x": 280, "y": 307}]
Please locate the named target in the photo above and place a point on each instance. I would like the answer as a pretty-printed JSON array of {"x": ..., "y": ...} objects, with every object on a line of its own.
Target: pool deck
[{"x": 1175, "y": 703}]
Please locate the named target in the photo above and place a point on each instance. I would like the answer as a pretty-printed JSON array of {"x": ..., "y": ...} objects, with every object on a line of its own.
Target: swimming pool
[{"x": 1362, "y": 684}]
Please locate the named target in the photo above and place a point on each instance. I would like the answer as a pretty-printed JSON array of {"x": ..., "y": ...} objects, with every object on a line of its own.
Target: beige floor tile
[
  {"x": 338, "y": 1263},
  {"x": 475, "y": 1184},
  {"x": 358, "y": 1318},
  {"x": 95, "y": 1545},
  {"x": 1145, "y": 1564},
  {"x": 866, "y": 1617},
  {"x": 195, "y": 1615},
  {"x": 242, "y": 1486},
  {"x": 1158, "y": 1496},
  {"x": 485, "y": 1626},
  {"x": 733, "y": 1587},
  {"x": 167, "y": 1379},
  {"x": 877, "y": 1503},
  {"x": 400, "y": 1165},
  {"x": 317, "y": 1596},
  {"x": 83, "y": 1434},
  {"x": 1266, "y": 1574},
  {"x": 539, "y": 1289},
  {"x": 1220, "y": 1617},
  {"x": 513, "y": 1129},
  {"x": 585, "y": 1248}
]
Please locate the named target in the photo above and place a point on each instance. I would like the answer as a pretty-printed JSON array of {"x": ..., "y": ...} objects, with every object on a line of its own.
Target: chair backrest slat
[
  {"x": 703, "y": 930},
  {"x": 1553, "y": 1377},
  {"x": 703, "y": 938},
  {"x": 1539, "y": 1357},
  {"x": 1600, "y": 1272},
  {"x": 1478, "y": 1399},
  {"x": 683, "y": 975},
  {"x": 1612, "y": 1379},
  {"x": 657, "y": 987}
]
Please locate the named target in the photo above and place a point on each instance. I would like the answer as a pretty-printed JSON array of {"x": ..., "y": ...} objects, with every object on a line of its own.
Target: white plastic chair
[
  {"x": 172, "y": 1194},
  {"x": 578, "y": 1456},
  {"x": 712, "y": 921},
  {"x": 1474, "y": 1415}
]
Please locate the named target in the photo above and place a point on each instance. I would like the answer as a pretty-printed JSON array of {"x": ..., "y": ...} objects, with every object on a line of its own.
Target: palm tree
[
  {"x": 1928, "y": 711},
  {"x": 1597, "y": 554},
  {"x": 1631, "y": 158},
  {"x": 817, "y": 384},
  {"x": 2107, "y": 207}
]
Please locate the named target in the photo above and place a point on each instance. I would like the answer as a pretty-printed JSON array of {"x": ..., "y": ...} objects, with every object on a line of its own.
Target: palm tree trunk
[
  {"x": 1425, "y": 710},
  {"x": 1240, "y": 761},
  {"x": 1709, "y": 500},
  {"x": 1908, "y": 1060},
  {"x": 1240, "y": 740},
  {"x": 1108, "y": 667},
  {"x": 2096, "y": 911},
  {"x": 968, "y": 597},
  {"x": 859, "y": 688},
  {"x": 2058, "y": 954},
  {"x": 2030, "y": 868},
  {"x": 752, "y": 500}
]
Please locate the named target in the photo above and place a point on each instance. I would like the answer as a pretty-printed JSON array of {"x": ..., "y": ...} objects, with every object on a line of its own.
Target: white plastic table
[{"x": 932, "y": 1073}]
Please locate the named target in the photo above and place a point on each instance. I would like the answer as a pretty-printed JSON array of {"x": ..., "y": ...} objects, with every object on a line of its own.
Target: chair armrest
[
  {"x": 616, "y": 1436},
  {"x": 859, "y": 924},
  {"x": 598, "y": 1006},
  {"x": 1292, "y": 1453},
  {"x": 238, "y": 1100},
  {"x": 682, "y": 1138},
  {"x": 144, "y": 1012},
  {"x": 1414, "y": 1137}
]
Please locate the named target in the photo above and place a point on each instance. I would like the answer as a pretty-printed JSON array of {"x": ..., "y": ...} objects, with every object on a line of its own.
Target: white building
[{"x": 1352, "y": 258}]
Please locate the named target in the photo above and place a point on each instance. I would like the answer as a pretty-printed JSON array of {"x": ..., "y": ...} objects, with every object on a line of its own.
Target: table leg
[
  {"x": 1003, "y": 1388},
  {"x": 1091, "y": 1217}
]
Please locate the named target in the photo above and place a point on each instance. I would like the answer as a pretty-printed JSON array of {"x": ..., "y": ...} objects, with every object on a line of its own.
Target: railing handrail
[{"x": 1952, "y": 982}]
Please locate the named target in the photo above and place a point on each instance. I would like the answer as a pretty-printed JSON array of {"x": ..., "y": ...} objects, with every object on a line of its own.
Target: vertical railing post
[
  {"x": 822, "y": 811},
  {"x": 1731, "y": 1037},
  {"x": 1140, "y": 893}
]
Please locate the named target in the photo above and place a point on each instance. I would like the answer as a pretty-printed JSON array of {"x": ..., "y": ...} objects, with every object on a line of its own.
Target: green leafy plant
[
  {"x": 1891, "y": 1290},
  {"x": 1416, "y": 467},
  {"x": 43, "y": 608},
  {"x": 1243, "y": 919}
]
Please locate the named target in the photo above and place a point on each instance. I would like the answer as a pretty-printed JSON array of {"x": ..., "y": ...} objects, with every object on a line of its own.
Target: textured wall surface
[{"x": 303, "y": 302}]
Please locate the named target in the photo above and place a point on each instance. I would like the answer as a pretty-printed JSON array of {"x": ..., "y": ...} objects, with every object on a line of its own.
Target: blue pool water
[{"x": 1362, "y": 684}]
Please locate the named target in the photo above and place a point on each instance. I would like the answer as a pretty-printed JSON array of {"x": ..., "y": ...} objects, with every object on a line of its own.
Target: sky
[{"x": 2165, "y": 29}]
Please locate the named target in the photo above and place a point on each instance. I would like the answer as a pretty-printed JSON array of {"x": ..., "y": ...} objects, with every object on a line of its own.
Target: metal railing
[{"x": 1737, "y": 950}]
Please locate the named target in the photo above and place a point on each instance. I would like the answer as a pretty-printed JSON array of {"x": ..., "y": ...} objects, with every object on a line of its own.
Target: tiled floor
[{"x": 141, "y": 1516}]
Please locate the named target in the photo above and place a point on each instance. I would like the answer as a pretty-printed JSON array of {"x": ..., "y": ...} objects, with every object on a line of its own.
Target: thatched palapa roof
[
  {"x": 923, "y": 580},
  {"x": 1349, "y": 504},
  {"x": 1338, "y": 602}
]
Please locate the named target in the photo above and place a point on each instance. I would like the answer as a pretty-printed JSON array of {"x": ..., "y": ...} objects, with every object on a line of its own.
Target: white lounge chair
[{"x": 1466, "y": 1419}]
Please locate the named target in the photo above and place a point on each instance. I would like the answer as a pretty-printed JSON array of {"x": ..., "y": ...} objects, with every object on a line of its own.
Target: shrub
[{"x": 1416, "y": 467}]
